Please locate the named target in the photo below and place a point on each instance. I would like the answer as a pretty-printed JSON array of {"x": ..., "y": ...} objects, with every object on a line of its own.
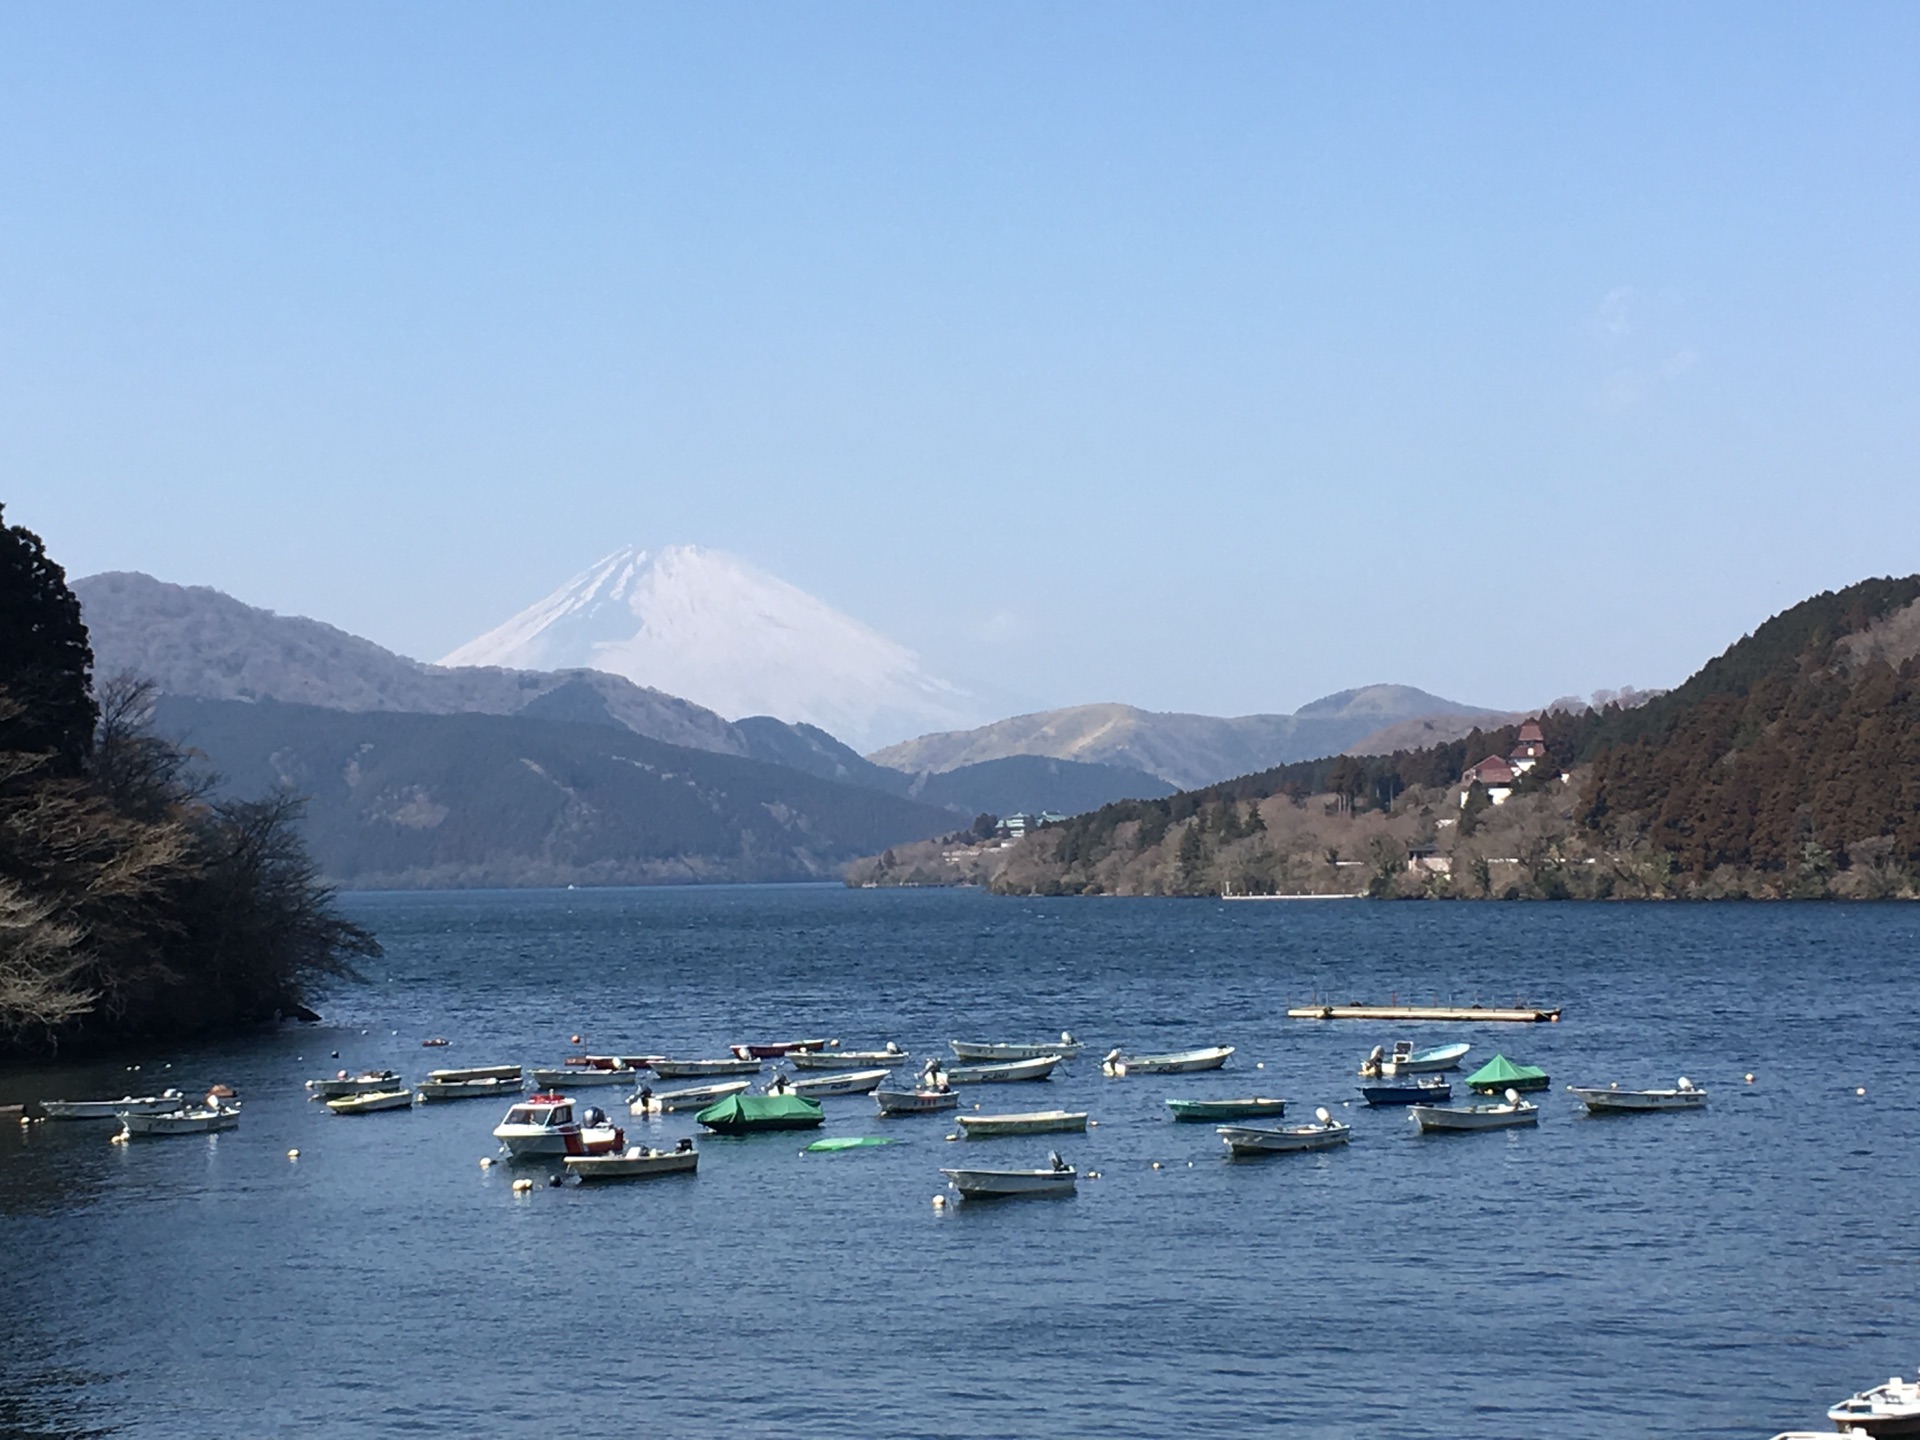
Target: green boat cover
[
  {"x": 850, "y": 1142},
  {"x": 1502, "y": 1071},
  {"x": 761, "y": 1112}
]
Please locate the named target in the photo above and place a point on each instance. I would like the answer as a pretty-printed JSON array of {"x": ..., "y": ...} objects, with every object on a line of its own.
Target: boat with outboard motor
[
  {"x": 1886, "y": 1412},
  {"x": 888, "y": 1056},
  {"x": 475, "y": 1072},
  {"x": 696, "y": 1069},
  {"x": 547, "y": 1124},
  {"x": 1445, "y": 1118},
  {"x": 1325, "y": 1133},
  {"x": 371, "y": 1101},
  {"x": 365, "y": 1083},
  {"x": 576, "y": 1076},
  {"x": 776, "y": 1049},
  {"x": 1030, "y": 1122},
  {"x": 979, "y": 1051},
  {"x": 431, "y": 1089},
  {"x": 1612, "y": 1100},
  {"x": 1004, "y": 1072},
  {"x": 636, "y": 1162},
  {"x": 915, "y": 1102},
  {"x": 1056, "y": 1179},
  {"x": 845, "y": 1082},
  {"x": 1180, "y": 1062},
  {"x": 1403, "y": 1059},
  {"x": 1501, "y": 1074},
  {"x": 747, "y": 1114},
  {"x": 215, "y": 1114},
  {"x": 1428, "y": 1090},
  {"x": 692, "y": 1097},
  {"x": 165, "y": 1103}
]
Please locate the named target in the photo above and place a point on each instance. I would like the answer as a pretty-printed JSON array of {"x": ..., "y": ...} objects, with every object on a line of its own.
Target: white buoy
[
  {"x": 521, "y": 1187},
  {"x": 939, "y": 1202},
  {"x": 119, "y": 1138},
  {"x": 1861, "y": 1090},
  {"x": 486, "y": 1162},
  {"x": 1156, "y": 1164},
  {"x": 1259, "y": 1064},
  {"x": 1093, "y": 1122},
  {"x": 293, "y": 1154},
  {"x": 1749, "y": 1077}
]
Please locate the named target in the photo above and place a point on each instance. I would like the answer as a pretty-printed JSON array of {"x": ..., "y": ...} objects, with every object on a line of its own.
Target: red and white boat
[{"x": 548, "y": 1124}]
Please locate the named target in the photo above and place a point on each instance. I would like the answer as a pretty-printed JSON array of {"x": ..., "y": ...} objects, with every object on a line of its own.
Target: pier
[{"x": 1522, "y": 1014}]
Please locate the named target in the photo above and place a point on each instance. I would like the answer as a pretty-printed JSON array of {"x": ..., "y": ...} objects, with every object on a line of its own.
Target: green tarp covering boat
[
  {"x": 847, "y": 1142},
  {"x": 740, "y": 1114},
  {"x": 1500, "y": 1073}
]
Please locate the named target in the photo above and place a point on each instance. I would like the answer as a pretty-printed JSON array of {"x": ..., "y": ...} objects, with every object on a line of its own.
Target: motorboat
[
  {"x": 197, "y": 1120},
  {"x": 165, "y": 1103},
  {"x": 982, "y": 1050},
  {"x": 615, "y": 1062},
  {"x": 365, "y": 1083},
  {"x": 1003, "y": 1073},
  {"x": 696, "y": 1069},
  {"x": 1056, "y": 1179},
  {"x": 636, "y": 1162},
  {"x": 1403, "y": 1059},
  {"x": 1612, "y": 1100},
  {"x": 574, "y": 1077},
  {"x": 431, "y": 1089},
  {"x": 747, "y": 1114},
  {"x": 775, "y": 1050},
  {"x": 915, "y": 1102},
  {"x": 1476, "y": 1117},
  {"x": 546, "y": 1124},
  {"x": 1885, "y": 1412},
  {"x": 1243, "y": 1109},
  {"x": 370, "y": 1101},
  {"x": 1325, "y": 1133},
  {"x": 691, "y": 1097},
  {"x": 1180, "y": 1062},
  {"x": 475, "y": 1072},
  {"x": 889, "y": 1057},
  {"x": 851, "y": 1082},
  {"x": 1030, "y": 1122},
  {"x": 1428, "y": 1090},
  {"x": 1500, "y": 1074}
]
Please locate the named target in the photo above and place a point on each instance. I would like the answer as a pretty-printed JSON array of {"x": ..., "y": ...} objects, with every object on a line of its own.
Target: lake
[{"x": 1727, "y": 1272}]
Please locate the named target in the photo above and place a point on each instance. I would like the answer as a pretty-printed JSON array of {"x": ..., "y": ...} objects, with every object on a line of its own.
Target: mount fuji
[{"x": 708, "y": 627}]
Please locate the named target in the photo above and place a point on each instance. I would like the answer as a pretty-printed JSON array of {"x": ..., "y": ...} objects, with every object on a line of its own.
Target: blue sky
[{"x": 1208, "y": 357}]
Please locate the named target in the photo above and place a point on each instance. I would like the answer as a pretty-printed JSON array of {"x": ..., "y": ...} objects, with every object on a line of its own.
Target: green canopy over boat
[
  {"x": 740, "y": 1114},
  {"x": 848, "y": 1142},
  {"x": 1500, "y": 1073}
]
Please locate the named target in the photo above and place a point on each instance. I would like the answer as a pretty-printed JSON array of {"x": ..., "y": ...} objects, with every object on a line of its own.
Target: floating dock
[{"x": 1523, "y": 1014}]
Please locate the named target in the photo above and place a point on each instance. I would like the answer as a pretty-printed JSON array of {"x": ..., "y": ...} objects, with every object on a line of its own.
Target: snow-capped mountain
[{"x": 708, "y": 627}]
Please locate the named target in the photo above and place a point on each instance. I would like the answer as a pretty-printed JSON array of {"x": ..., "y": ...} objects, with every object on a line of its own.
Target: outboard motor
[{"x": 593, "y": 1117}]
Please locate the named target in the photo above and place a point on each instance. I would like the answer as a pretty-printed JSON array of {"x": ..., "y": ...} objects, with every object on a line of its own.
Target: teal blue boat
[
  {"x": 1210, "y": 1110},
  {"x": 749, "y": 1114}
]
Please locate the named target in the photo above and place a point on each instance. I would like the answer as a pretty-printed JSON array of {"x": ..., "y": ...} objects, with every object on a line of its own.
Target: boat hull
[
  {"x": 468, "y": 1089},
  {"x": 112, "y": 1109},
  {"x": 694, "y": 1069},
  {"x": 370, "y": 1083},
  {"x": 475, "y": 1072},
  {"x": 846, "y": 1059},
  {"x": 1445, "y": 1119},
  {"x": 1185, "y": 1062},
  {"x": 371, "y": 1102},
  {"x": 694, "y": 1097},
  {"x": 181, "y": 1122},
  {"x": 1037, "y": 1122},
  {"x": 1207, "y": 1111},
  {"x": 776, "y": 1050},
  {"x": 1404, "y": 1094},
  {"x": 1264, "y": 1140},
  {"x": 915, "y": 1102},
  {"x": 1637, "y": 1102},
  {"x": 1010, "y": 1072},
  {"x": 633, "y": 1165},
  {"x": 574, "y": 1078},
  {"x": 857, "y": 1082},
  {"x": 986, "y": 1052},
  {"x": 1010, "y": 1184}
]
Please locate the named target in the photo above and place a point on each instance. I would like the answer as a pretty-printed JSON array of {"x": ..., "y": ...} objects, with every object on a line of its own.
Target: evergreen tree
[{"x": 46, "y": 662}]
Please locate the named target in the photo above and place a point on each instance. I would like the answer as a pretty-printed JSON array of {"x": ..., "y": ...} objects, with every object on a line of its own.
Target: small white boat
[
  {"x": 165, "y": 1103},
  {"x": 692, "y": 1097},
  {"x": 1031, "y": 1122},
  {"x": 635, "y": 1163},
  {"x": 915, "y": 1102},
  {"x": 365, "y": 1083},
  {"x": 1039, "y": 1068},
  {"x": 1476, "y": 1117},
  {"x": 852, "y": 1082},
  {"x": 1324, "y": 1134},
  {"x": 371, "y": 1101},
  {"x": 546, "y": 1125},
  {"x": 1889, "y": 1410},
  {"x": 1612, "y": 1100},
  {"x": 891, "y": 1056},
  {"x": 981, "y": 1050},
  {"x": 197, "y": 1121},
  {"x": 1180, "y": 1062},
  {"x": 1057, "y": 1179},
  {"x": 695, "y": 1069},
  {"x": 475, "y": 1072},
  {"x": 1405, "y": 1060},
  {"x": 576, "y": 1076},
  {"x": 431, "y": 1089}
]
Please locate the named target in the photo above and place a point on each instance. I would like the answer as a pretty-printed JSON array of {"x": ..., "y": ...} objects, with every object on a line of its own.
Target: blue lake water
[{"x": 1728, "y": 1272}]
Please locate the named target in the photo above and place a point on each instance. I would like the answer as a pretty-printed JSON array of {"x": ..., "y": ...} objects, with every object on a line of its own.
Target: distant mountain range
[
  {"x": 707, "y": 626},
  {"x": 1185, "y": 750}
]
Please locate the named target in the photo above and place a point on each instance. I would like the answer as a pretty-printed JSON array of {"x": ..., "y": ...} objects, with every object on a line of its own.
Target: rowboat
[
  {"x": 1476, "y": 1117},
  {"x": 915, "y": 1102},
  {"x": 197, "y": 1121},
  {"x": 371, "y": 1101},
  {"x": 745, "y": 1114},
  {"x": 575, "y": 1077},
  {"x": 545, "y": 1124},
  {"x": 1179, "y": 1062},
  {"x": 166, "y": 1102},
  {"x": 1057, "y": 1179},
  {"x": 1614, "y": 1101},
  {"x": 847, "y": 1059},
  {"x": 1205, "y": 1110},
  {"x": 474, "y": 1072},
  {"x": 694, "y": 1069},
  {"x": 693, "y": 1097},
  {"x": 1429, "y": 1091},
  {"x": 775, "y": 1050},
  {"x": 635, "y": 1163},
  {"x": 1888, "y": 1410},
  {"x": 431, "y": 1089},
  {"x": 1031, "y": 1122},
  {"x": 1405, "y": 1060},
  {"x": 1500, "y": 1074},
  {"x": 365, "y": 1083},
  {"x": 852, "y": 1082},
  {"x": 1039, "y": 1068},
  {"x": 1324, "y": 1134},
  {"x": 981, "y": 1050}
]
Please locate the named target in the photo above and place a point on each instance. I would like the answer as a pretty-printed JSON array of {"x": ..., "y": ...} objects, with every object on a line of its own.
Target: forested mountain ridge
[{"x": 1787, "y": 766}]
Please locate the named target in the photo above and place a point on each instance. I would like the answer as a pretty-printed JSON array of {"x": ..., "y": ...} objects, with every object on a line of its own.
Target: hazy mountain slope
[
  {"x": 1033, "y": 783},
  {"x": 191, "y": 640},
  {"x": 462, "y": 800},
  {"x": 708, "y": 626},
  {"x": 1185, "y": 750},
  {"x": 1425, "y": 730}
]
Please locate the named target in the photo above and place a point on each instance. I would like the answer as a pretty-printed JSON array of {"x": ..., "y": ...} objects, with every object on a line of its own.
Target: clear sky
[{"x": 1204, "y": 356}]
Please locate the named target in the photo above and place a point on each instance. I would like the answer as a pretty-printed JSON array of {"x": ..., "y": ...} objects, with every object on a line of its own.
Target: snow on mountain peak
[{"x": 708, "y": 627}]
